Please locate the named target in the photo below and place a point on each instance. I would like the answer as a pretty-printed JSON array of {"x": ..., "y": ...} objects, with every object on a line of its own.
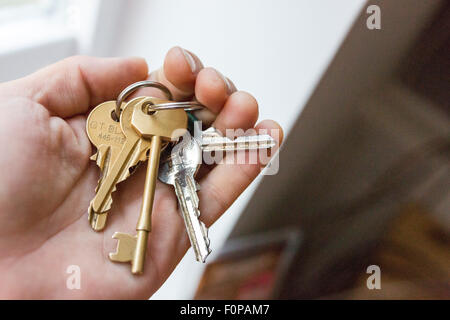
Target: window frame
[{"x": 22, "y": 53}]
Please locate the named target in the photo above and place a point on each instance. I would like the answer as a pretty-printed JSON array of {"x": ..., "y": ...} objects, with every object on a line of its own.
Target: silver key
[{"x": 179, "y": 169}]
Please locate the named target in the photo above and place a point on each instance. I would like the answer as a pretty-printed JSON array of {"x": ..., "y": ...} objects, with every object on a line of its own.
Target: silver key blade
[
  {"x": 212, "y": 140},
  {"x": 186, "y": 191},
  {"x": 241, "y": 143},
  {"x": 178, "y": 168}
]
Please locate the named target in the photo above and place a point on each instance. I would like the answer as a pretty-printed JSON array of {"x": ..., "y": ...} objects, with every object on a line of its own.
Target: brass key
[
  {"x": 106, "y": 135},
  {"x": 128, "y": 157},
  {"x": 156, "y": 129}
]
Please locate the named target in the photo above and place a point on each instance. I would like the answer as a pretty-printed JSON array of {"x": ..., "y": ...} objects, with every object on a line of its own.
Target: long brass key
[
  {"x": 106, "y": 135},
  {"x": 156, "y": 129}
]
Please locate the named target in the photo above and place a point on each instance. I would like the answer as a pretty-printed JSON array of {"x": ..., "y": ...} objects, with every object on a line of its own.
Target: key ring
[
  {"x": 141, "y": 84},
  {"x": 186, "y": 105}
]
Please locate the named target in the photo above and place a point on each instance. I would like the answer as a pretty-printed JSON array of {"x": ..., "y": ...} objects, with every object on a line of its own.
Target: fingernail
[
  {"x": 230, "y": 86},
  {"x": 191, "y": 61}
]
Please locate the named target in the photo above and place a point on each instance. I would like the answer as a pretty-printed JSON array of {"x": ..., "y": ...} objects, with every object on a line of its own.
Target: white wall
[
  {"x": 276, "y": 50},
  {"x": 273, "y": 49}
]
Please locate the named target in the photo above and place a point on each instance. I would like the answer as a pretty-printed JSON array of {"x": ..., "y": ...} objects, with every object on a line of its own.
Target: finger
[
  {"x": 185, "y": 77},
  {"x": 221, "y": 187},
  {"x": 212, "y": 89},
  {"x": 178, "y": 73},
  {"x": 71, "y": 86},
  {"x": 239, "y": 112}
]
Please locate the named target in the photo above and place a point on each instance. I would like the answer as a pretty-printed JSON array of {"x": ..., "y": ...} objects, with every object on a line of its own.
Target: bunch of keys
[{"x": 126, "y": 134}]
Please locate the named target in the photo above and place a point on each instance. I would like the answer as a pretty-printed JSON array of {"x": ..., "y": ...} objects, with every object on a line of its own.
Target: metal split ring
[{"x": 186, "y": 105}]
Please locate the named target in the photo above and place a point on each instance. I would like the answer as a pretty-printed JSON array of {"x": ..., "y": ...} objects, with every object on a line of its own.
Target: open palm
[{"x": 48, "y": 180}]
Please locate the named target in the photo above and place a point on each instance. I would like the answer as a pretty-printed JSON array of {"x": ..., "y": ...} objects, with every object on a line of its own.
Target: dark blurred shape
[
  {"x": 414, "y": 259},
  {"x": 427, "y": 69}
]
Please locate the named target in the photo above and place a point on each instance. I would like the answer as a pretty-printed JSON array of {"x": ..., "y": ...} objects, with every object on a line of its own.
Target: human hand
[{"x": 48, "y": 180}]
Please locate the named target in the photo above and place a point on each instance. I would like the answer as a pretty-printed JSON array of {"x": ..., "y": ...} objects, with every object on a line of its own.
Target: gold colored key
[
  {"x": 106, "y": 135},
  {"x": 156, "y": 129},
  {"x": 128, "y": 157}
]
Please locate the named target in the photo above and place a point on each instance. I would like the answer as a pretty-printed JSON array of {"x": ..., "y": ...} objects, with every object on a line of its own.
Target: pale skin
[{"x": 47, "y": 179}]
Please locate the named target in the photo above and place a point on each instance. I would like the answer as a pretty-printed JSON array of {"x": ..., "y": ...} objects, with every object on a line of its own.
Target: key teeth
[
  {"x": 94, "y": 157},
  {"x": 98, "y": 221},
  {"x": 207, "y": 240},
  {"x": 203, "y": 258},
  {"x": 205, "y": 232}
]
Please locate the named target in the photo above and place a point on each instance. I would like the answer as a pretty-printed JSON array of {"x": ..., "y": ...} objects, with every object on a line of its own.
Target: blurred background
[{"x": 364, "y": 172}]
